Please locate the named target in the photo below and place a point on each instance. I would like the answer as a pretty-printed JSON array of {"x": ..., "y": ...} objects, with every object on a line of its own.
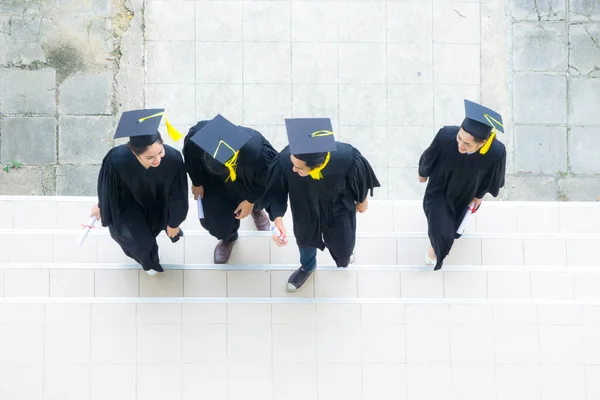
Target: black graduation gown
[
  {"x": 323, "y": 211},
  {"x": 454, "y": 180},
  {"x": 138, "y": 203},
  {"x": 221, "y": 198}
]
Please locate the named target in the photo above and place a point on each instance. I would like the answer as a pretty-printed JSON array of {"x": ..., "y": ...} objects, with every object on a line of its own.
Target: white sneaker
[
  {"x": 352, "y": 259},
  {"x": 151, "y": 272}
]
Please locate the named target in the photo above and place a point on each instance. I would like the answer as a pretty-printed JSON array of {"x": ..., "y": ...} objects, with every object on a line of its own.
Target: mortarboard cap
[
  {"x": 220, "y": 138},
  {"x": 310, "y": 135},
  {"x": 480, "y": 121},
  {"x": 141, "y": 126}
]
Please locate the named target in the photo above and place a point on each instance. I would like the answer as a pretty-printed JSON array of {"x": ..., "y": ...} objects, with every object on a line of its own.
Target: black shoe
[{"x": 297, "y": 279}]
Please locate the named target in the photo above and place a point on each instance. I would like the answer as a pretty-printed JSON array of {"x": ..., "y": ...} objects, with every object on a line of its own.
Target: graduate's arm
[
  {"x": 276, "y": 193},
  {"x": 361, "y": 178},
  {"x": 109, "y": 187},
  {"x": 178, "y": 203},
  {"x": 494, "y": 180},
  {"x": 429, "y": 158}
]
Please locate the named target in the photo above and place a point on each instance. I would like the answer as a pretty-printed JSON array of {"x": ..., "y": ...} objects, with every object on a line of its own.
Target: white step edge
[
  {"x": 494, "y": 203},
  {"x": 293, "y": 267},
  {"x": 291, "y": 300},
  {"x": 397, "y": 235}
]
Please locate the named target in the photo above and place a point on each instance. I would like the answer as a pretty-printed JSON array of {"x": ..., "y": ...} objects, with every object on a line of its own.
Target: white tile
[
  {"x": 26, "y": 283},
  {"x": 338, "y": 314},
  {"x": 591, "y": 345},
  {"x": 545, "y": 252},
  {"x": 552, "y": 285},
  {"x": 504, "y": 252},
  {"x": 335, "y": 348},
  {"x": 465, "y": 284},
  {"x": 294, "y": 343},
  {"x": 422, "y": 284},
  {"x": 592, "y": 382},
  {"x": 67, "y": 381},
  {"x": 561, "y": 345},
  {"x": 225, "y": 23},
  {"x": 66, "y": 251},
  {"x": 16, "y": 313},
  {"x": 173, "y": 57},
  {"x": 465, "y": 252},
  {"x": 204, "y": 381},
  {"x": 266, "y": 21},
  {"x": 108, "y": 313},
  {"x": 294, "y": 313},
  {"x": 563, "y": 382},
  {"x": 382, "y": 313},
  {"x": 20, "y": 248},
  {"x": 67, "y": 342},
  {"x": 384, "y": 381},
  {"x": 497, "y": 219},
  {"x": 517, "y": 344},
  {"x": 305, "y": 16},
  {"x": 72, "y": 283},
  {"x": 113, "y": 342},
  {"x": 110, "y": 252},
  {"x": 204, "y": 343},
  {"x": 419, "y": 381},
  {"x": 248, "y": 284},
  {"x": 339, "y": 283},
  {"x": 472, "y": 344},
  {"x": 447, "y": 69},
  {"x": 579, "y": 220},
  {"x": 165, "y": 284},
  {"x": 409, "y": 218},
  {"x": 351, "y": 71},
  {"x": 249, "y": 378},
  {"x": 249, "y": 343},
  {"x": 401, "y": 27},
  {"x": 34, "y": 214},
  {"x": 456, "y": 22},
  {"x": 204, "y": 283},
  {"x": 474, "y": 382},
  {"x": 159, "y": 381},
  {"x": 204, "y": 313},
  {"x": 159, "y": 313},
  {"x": 508, "y": 285},
  {"x": 339, "y": 381},
  {"x": 471, "y": 314},
  {"x": 159, "y": 343},
  {"x": 279, "y": 280},
  {"x": 157, "y": 13},
  {"x": 116, "y": 283},
  {"x": 518, "y": 382},
  {"x": 251, "y": 250},
  {"x": 538, "y": 218},
  {"x": 578, "y": 252},
  {"x": 411, "y": 251},
  {"x": 76, "y": 313},
  {"x": 383, "y": 343},
  {"x": 6, "y": 214},
  {"x": 22, "y": 343},
  {"x": 427, "y": 314},
  {"x": 378, "y": 284},
  {"x": 560, "y": 314},
  {"x": 427, "y": 343},
  {"x": 284, "y": 255},
  {"x": 22, "y": 381},
  {"x": 376, "y": 251},
  {"x": 586, "y": 286},
  {"x": 512, "y": 314},
  {"x": 296, "y": 381},
  {"x": 361, "y": 22},
  {"x": 113, "y": 381},
  {"x": 171, "y": 253},
  {"x": 212, "y": 99},
  {"x": 248, "y": 313},
  {"x": 378, "y": 218}
]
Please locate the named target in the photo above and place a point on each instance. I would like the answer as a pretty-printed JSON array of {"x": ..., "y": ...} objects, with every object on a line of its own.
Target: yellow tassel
[
  {"x": 174, "y": 133},
  {"x": 488, "y": 144},
  {"x": 316, "y": 172},
  {"x": 232, "y": 166}
]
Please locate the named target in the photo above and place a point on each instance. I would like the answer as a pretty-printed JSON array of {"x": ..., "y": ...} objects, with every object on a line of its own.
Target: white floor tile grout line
[
  {"x": 293, "y": 267},
  {"x": 293, "y": 300}
]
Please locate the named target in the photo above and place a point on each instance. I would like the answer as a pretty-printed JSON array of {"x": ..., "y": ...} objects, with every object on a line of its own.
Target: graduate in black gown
[
  {"x": 142, "y": 189},
  {"x": 327, "y": 183},
  {"x": 462, "y": 165},
  {"x": 228, "y": 167}
]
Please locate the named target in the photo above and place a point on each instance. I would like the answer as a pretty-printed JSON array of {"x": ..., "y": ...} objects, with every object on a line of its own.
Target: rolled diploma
[
  {"x": 87, "y": 230},
  {"x": 463, "y": 224},
  {"x": 200, "y": 208}
]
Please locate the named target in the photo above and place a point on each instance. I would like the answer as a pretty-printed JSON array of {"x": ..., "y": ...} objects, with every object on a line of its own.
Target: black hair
[
  {"x": 214, "y": 166},
  {"x": 312, "y": 160},
  {"x": 139, "y": 149}
]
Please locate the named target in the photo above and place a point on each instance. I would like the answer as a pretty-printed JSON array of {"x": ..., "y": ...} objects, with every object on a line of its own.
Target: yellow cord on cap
[
  {"x": 316, "y": 172},
  {"x": 231, "y": 164},
  {"x": 174, "y": 133},
  {"x": 488, "y": 143}
]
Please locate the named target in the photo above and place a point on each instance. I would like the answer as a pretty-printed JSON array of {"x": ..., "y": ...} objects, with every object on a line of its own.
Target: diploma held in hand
[
  {"x": 86, "y": 230},
  {"x": 463, "y": 224},
  {"x": 200, "y": 208}
]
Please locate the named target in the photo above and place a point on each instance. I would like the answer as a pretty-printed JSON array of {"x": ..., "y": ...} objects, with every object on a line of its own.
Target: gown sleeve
[
  {"x": 194, "y": 164},
  {"x": 429, "y": 158},
  {"x": 178, "y": 203},
  {"x": 494, "y": 179},
  {"x": 361, "y": 177},
  {"x": 109, "y": 187},
  {"x": 260, "y": 172},
  {"x": 276, "y": 194}
]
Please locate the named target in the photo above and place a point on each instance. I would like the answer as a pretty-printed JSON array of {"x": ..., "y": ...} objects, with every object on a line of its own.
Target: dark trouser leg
[
  {"x": 441, "y": 230},
  {"x": 219, "y": 220},
  {"x": 340, "y": 239},
  {"x": 308, "y": 258}
]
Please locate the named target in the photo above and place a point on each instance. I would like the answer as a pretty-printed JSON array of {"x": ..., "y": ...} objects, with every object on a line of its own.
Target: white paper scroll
[
  {"x": 200, "y": 208},
  {"x": 86, "y": 230},
  {"x": 465, "y": 220}
]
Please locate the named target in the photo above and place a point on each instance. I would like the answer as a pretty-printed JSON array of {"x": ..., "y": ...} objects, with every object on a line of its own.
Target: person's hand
[
  {"x": 477, "y": 203},
  {"x": 95, "y": 212},
  {"x": 243, "y": 210},
  {"x": 422, "y": 179},
  {"x": 172, "y": 232},
  {"x": 198, "y": 191},
  {"x": 282, "y": 240},
  {"x": 362, "y": 207}
]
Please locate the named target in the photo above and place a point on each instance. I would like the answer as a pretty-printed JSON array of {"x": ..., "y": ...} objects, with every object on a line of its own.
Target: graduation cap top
[
  {"x": 480, "y": 120},
  {"x": 310, "y": 135},
  {"x": 221, "y": 139},
  {"x": 141, "y": 126}
]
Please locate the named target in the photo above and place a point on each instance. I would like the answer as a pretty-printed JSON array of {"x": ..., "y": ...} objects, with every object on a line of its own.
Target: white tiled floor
[{"x": 299, "y": 351}]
